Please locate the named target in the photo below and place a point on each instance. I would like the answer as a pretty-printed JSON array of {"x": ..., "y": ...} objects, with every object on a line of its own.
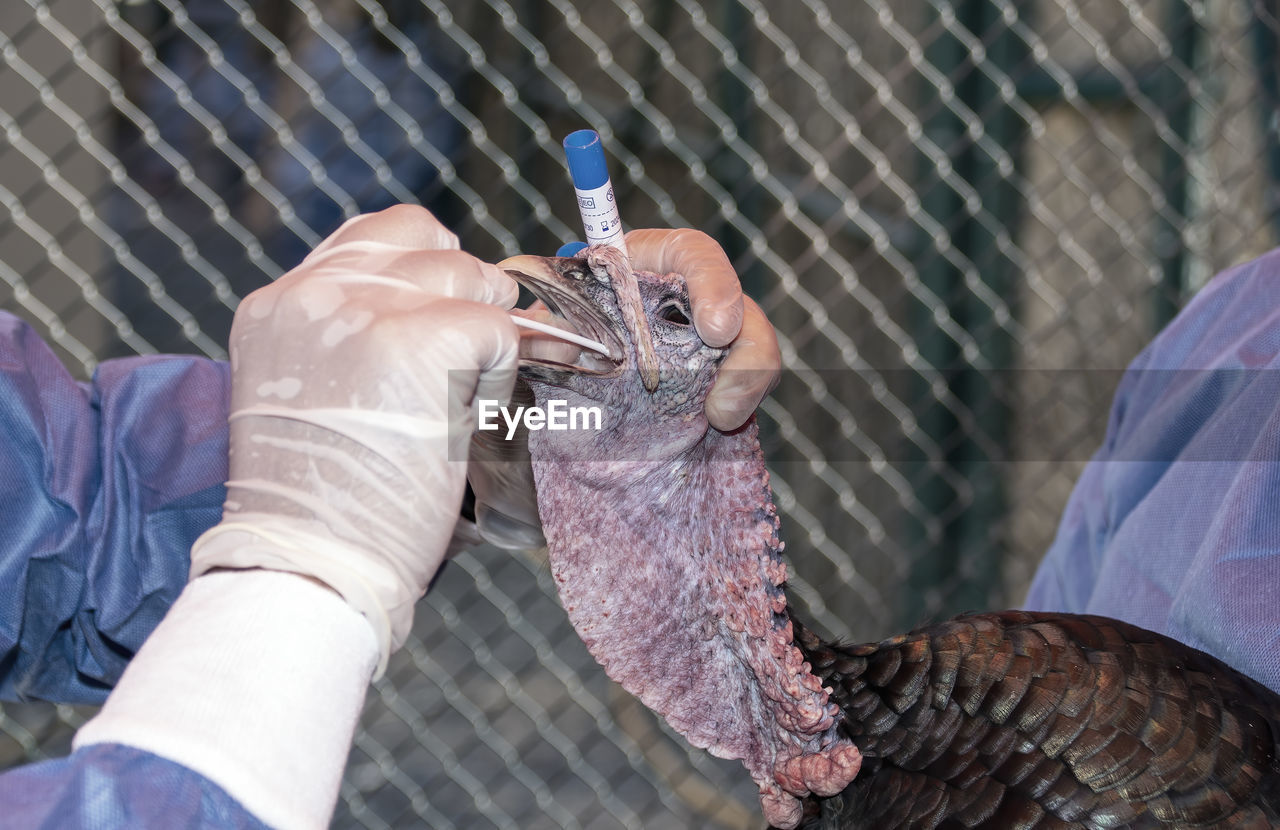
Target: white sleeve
[{"x": 255, "y": 679}]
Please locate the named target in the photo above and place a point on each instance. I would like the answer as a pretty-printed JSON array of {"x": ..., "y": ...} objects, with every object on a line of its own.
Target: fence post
[{"x": 956, "y": 532}]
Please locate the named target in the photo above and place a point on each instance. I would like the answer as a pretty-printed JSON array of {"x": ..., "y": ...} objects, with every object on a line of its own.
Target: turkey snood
[{"x": 663, "y": 536}]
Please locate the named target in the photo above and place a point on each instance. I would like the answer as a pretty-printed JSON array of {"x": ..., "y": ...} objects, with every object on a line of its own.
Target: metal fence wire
[{"x": 963, "y": 217}]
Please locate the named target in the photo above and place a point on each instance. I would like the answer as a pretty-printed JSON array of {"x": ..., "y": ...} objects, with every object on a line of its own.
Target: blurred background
[{"x": 964, "y": 218}]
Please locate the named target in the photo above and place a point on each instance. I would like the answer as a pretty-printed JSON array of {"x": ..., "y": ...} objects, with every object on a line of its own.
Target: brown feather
[{"x": 1019, "y": 719}]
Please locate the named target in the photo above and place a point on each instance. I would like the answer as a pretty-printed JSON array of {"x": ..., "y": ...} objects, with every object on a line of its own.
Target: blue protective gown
[
  {"x": 103, "y": 489},
  {"x": 1175, "y": 523},
  {"x": 112, "y": 787}
]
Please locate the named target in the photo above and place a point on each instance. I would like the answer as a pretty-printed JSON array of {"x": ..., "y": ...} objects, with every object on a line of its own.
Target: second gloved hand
[{"x": 354, "y": 384}]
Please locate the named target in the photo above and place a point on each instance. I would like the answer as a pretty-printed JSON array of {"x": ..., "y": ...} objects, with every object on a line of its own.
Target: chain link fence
[{"x": 963, "y": 216}]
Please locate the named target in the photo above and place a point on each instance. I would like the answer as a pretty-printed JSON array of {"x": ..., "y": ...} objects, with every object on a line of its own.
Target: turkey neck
[{"x": 671, "y": 573}]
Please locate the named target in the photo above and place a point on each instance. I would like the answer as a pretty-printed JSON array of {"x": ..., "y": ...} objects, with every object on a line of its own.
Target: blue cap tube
[
  {"x": 596, "y": 204},
  {"x": 585, "y": 153}
]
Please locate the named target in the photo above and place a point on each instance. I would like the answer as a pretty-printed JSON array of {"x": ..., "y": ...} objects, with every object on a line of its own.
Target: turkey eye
[{"x": 674, "y": 313}]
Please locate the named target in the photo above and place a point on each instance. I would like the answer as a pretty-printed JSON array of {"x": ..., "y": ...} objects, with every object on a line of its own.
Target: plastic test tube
[{"x": 599, "y": 210}]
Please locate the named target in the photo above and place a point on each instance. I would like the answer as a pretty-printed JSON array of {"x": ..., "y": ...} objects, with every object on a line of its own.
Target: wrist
[
  {"x": 273, "y": 544},
  {"x": 254, "y": 680},
  {"x": 305, "y": 577}
]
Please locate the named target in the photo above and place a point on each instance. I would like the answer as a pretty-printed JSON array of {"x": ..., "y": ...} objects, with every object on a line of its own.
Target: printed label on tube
[{"x": 600, "y": 219}]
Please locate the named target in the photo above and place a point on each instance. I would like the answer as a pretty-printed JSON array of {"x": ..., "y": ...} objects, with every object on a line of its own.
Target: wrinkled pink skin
[{"x": 663, "y": 541}]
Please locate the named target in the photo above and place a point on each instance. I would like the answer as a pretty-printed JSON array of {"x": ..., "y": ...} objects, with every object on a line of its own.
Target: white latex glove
[
  {"x": 354, "y": 382},
  {"x": 501, "y": 476},
  {"x": 722, "y": 314}
]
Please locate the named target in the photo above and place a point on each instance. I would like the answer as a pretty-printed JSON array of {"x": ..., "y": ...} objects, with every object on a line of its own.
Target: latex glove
[
  {"x": 722, "y": 315},
  {"x": 354, "y": 382},
  {"x": 500, "y": 475}
]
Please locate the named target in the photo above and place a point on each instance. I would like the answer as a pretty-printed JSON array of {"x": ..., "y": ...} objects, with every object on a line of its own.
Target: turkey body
[
  {"x": 663, "y": 540},
  {"x": 1038, "y": 720}
]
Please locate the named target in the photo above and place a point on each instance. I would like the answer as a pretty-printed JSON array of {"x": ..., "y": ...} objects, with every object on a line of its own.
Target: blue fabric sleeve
[
  {"x": 113, "y": 787},
  {"x": 1174, "y": 525},
  {"x": 103, "y": 489}
]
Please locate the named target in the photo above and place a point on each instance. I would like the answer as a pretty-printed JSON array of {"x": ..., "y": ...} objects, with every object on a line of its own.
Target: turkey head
[{"x": 662, "y": 533}]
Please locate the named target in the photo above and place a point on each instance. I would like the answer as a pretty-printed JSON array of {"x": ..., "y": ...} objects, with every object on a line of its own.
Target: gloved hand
[
  {"x": 354, "y": 382},
  {"x": 500, "y": 473},
  {"x": 722, "y": 315}
]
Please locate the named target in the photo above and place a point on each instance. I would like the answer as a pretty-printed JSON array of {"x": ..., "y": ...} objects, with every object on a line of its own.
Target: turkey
[{"x": 663, "y": 543}]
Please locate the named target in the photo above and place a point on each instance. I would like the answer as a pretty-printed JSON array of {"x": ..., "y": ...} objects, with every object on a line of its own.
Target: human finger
[
  {"x": 749, "y": 372},
  {"x": 406, "y": 226},
  {"x": 715, "y": 294},
  {"x": 449, "y": 273}
]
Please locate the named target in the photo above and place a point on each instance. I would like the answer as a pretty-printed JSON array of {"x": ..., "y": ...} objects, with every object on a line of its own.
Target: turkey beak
[{"x": 558, "y": 282}]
